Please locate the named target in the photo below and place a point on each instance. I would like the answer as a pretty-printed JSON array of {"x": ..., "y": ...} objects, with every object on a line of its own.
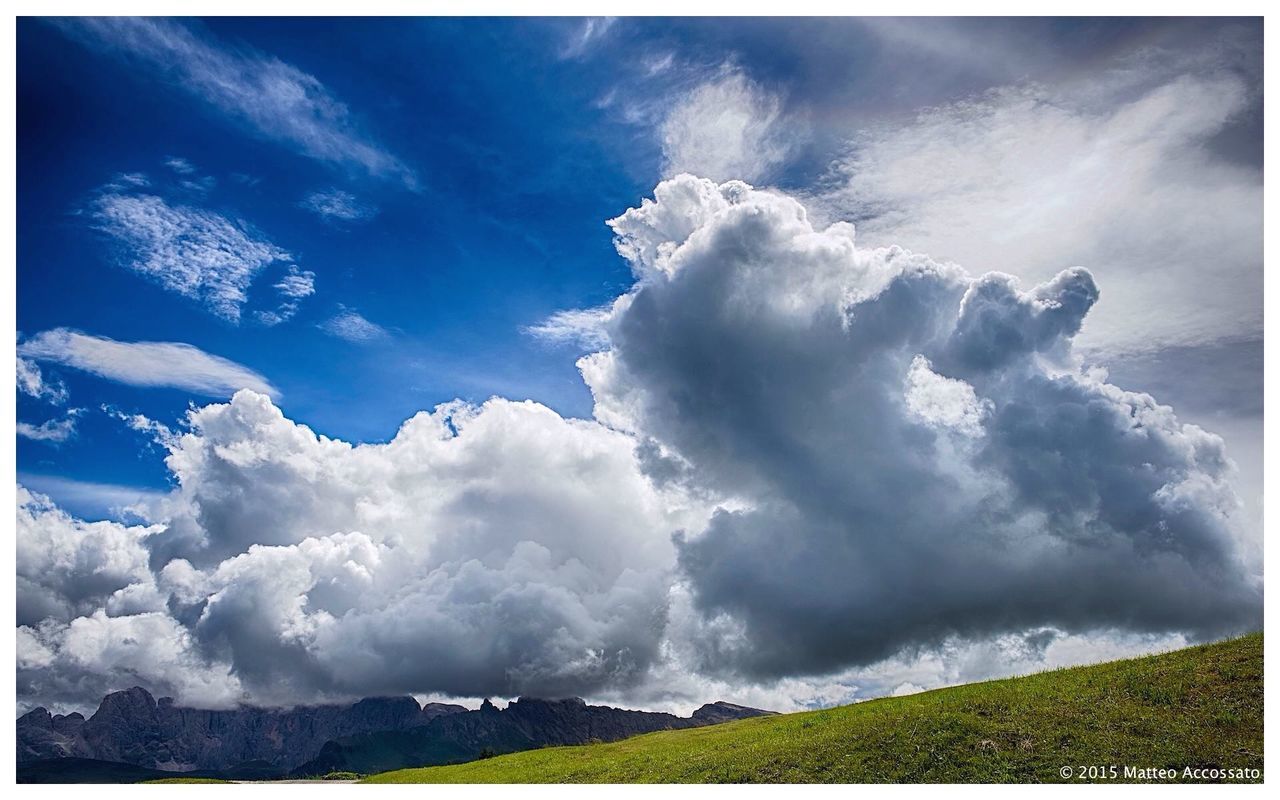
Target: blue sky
[
  {"x": 511, "y": 142},
  {"x": 361, "y": 220},
  {"x": 504, "y": 225}
]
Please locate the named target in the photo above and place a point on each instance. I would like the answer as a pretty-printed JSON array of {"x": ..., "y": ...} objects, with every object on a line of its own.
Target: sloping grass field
[{"x": 1198, "y": 708}]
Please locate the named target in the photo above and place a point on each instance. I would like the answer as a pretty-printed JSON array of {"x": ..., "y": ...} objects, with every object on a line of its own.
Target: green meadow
[{"x": 1198, "y": 708}]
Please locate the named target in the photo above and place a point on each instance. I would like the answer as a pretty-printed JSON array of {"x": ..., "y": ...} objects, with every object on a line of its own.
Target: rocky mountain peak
[
  {"x": 127, "y": 702},
  {"x": 720, "y": 711},
  {"x": 38, "y": 717},
  {"x": 432, "y": 710}
]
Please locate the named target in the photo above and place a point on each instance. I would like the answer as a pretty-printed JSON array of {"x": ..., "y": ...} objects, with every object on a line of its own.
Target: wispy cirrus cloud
[
  {"x": 180, "y": 165},
  {"x": 1121, "y": 177},
  {"x": 351, "y": 325},
  {"x": 33, "y": 383},
  {"x": 156, "y": 431},
  {"x": 582, "y": 326},
  {"x": 172, "y": 364},
  {"x": 128, "y": 181},
  {"x": 202, "y": 185},
  {"x": 587, "y": 34},
  {"x": 88, "y": 499},
  {"x": 296, "y": 285},
  {"x": 276, "y": 100},
  {"x": 194, "y": 252},
  {"x": 335, "y": 205},
  {"x": 728, "y": 127},
  {"x": 54, "y": 431}
]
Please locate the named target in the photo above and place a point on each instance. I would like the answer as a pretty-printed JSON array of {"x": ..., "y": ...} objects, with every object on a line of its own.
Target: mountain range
[{"x": 375, "y": 734}]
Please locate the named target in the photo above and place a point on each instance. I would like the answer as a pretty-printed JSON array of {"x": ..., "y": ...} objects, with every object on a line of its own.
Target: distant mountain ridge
[
  {"x": 132, "y": 727},
  {"x": 525, "y": 724}
]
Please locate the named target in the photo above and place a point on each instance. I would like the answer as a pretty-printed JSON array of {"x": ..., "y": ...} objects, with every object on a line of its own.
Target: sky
[{"x": 789, "y": 362}]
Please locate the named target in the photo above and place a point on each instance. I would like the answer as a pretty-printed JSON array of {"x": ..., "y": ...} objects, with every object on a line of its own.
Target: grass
[
  {"x": 1200, "y": 707},
  {"x": 189, "y": 780}
]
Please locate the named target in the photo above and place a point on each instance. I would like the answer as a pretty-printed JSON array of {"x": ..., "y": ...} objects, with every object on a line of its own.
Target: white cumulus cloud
[
  {"x": 67, "y": 567},
  {"x": 786, "y": 364},
  {"x": 525, "y": 552}
]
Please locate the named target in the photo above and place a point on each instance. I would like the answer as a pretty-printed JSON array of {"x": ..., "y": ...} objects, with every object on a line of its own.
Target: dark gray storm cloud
[{"x": 915, "y": 452}]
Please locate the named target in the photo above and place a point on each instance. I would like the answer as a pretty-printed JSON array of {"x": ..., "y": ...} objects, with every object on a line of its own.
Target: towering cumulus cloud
[
  {"x": 807, "y": 456},
  {"x": 916, "y": 452}
]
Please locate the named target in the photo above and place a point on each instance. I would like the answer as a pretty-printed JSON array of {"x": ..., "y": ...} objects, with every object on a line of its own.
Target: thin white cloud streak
[
  {"x": 180, "y": 165},
  {"x": 588, "y": 33},
  {"x": 193, "y": 252},
  {"x": 172, "y": 364},
  {"x": 581, "y": 326},
  {"x": 353, "y": 327},
  {"x": 54, "y": 431},
  {"x": 155, "y": 430},
  {"x": 336, "y": 205},
  {"x": 92, "y": 500},
  {"x": 200, "y": 186},
  {"x": 277, "y": 100},
  {"x": 128, "y": 181}
]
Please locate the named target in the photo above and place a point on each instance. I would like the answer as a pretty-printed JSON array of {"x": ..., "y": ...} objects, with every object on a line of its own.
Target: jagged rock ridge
[
  {"x": 132, "y": 727},
  {"x": 525, "y": 724},
  {"x": 372, "y": 735}
]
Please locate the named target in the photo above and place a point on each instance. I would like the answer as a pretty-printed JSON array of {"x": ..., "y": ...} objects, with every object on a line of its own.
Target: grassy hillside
[{"x": 1199, "y": 707}]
